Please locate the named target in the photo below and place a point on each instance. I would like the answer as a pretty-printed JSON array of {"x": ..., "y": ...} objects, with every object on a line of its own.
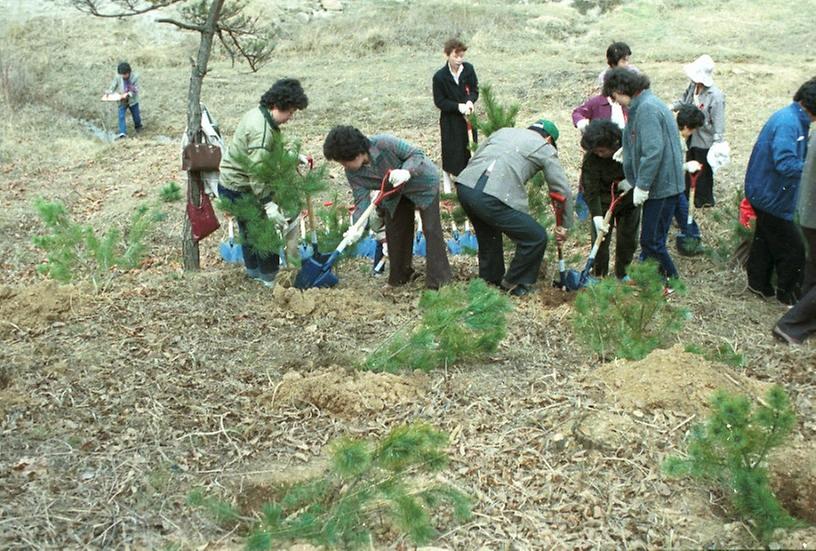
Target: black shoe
[
  {"x": 784, "y": 337},
  {"x": 787, "y": 298},
  {"x": 520, "y": 290},
  {"x": 763, "y": 294}
]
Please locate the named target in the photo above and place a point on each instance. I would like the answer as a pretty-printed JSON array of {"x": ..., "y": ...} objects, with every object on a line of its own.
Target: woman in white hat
[{"x": 702, "y": 93}]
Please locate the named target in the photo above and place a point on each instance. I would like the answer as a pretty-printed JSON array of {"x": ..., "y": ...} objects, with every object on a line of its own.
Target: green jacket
[
  {"x": 252, "y": 137},
  {"x": 118, "y": 86}
]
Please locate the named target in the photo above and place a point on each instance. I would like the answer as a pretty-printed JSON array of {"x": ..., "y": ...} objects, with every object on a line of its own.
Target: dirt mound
[
  {"x": 35, "y": 307},
  {"x": 671, "y": 379},
  {"x": 347, "y": 393},
  {"x": 301, "y": 303},
  {"x": 793, "y": 477}
]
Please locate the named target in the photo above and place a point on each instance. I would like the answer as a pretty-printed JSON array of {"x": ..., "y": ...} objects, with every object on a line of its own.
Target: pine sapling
[
  {"x": 458, "y": 323},
  {"x": 628, "y": 320},
  {"x": 73, "y": 247},
  {"x": 170, "y": 192},
  {"x": 730, "y": 451},
  {"x": 497, "y": 115},
  {"x": 276, "y": 176},
  {"x": 369, "y": 484}
]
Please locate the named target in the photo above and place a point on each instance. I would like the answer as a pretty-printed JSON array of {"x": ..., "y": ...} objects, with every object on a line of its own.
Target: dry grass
[{"x": 123, "y": 401}]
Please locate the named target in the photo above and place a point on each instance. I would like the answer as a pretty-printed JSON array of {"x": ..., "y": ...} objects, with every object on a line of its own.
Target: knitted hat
[{"x": 544, "y": 126}]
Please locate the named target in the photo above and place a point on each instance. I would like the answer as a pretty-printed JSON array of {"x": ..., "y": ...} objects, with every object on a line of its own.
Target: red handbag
[{"x": 202, "y": 217}]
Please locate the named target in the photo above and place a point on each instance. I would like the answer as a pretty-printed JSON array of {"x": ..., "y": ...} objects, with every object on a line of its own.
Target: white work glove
[
  {"x": 600, "y": 224},
  {"x": 618, "y": 155},
  {"x": 624, "y": 186},
  {"x": 354, "y": 233},
  {"x": 305, "y": 161},
  {"x": 463, "y": 108},
  {"x": 692, "y": 166},
  {"x": 399, "y": 176},
  {"x": 639, "y": 197},
  {"x": 469, "y": 106},
  {"x": 274, "y": 213},
  {"x": 582, "y": 124}
]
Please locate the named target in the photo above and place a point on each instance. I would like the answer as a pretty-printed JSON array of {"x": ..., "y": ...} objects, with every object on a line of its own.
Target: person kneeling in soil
[
  {"x": 366, "y": 161},
  {"x": 601, "y": 175},
  {"x": 492, "y": 193},
  {"x": 252, "y": 138}
]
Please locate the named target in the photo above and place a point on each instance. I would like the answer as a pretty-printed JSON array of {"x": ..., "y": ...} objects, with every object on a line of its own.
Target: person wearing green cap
[{"x": 492, "y": 193}]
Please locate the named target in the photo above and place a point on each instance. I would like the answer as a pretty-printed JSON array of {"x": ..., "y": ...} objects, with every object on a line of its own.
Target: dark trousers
[
  {"x": 656, "y": 223},
  {"x": 399, "y": 234},
  {"x": 800, "y": 321},
  {"x": 704, "y": 195},
  {"x": 269, "y": 264},
  {"x": 777, "y": 246},
  {"x": 626, "y": 226},
  {"x": 491, "y": 218}
]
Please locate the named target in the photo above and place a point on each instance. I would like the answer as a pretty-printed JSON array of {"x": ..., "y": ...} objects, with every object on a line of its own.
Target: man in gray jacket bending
[
  {"x": 652, "y": 161},
  {"x": 492, "y": 193}
]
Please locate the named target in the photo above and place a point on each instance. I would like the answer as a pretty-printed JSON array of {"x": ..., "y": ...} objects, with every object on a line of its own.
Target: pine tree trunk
[{"x": 189, "y": 247}]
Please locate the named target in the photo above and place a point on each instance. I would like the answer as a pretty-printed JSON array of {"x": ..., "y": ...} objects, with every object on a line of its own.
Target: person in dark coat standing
[
  {"x": 455, "y": 90},
  {"x": 800, "y": 321}
]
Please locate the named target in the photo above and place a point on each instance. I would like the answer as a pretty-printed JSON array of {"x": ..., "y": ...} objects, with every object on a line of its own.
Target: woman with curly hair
[{"x": 252, "y": 138}]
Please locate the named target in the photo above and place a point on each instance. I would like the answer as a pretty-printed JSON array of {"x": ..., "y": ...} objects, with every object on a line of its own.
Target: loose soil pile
[
  {"x": 346, "y": 392},
  {"x": 672, "y": 379}
]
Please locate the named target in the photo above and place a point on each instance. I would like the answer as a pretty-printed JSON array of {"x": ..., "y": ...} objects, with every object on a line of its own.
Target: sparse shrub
[
  {"x": 731, "y": 450},
  {"x": 170, "y": 192},
  {"x": 221, "y": 512},
  {"x": 602, "y": 6},
  {"x": 627, "y": 320},
  {"x": 724, "y": 353},
  {"x": 458, "y": 322},
  {"x": 17, "y": 84},
  {"x": 5, "y": 376},
  {"x": 368, "y": 484},
  {"x": 73, "y": 247}
]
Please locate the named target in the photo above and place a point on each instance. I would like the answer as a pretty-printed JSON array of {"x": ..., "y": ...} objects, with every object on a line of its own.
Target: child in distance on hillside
[{"x": 126, "y": 84}]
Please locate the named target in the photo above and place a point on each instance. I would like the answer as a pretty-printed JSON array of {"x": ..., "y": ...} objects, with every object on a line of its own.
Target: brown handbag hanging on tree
[
  {"x": 201, "y": 156},
  {"x": 202, "y": 217}
]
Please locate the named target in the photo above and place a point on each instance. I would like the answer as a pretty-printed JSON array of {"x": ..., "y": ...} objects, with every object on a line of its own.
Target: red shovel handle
[
  {"x": 693, "y": 179},
  {"x": 558, "y": 201}
]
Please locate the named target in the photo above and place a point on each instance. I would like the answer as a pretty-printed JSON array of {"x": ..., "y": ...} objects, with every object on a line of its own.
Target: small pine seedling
[
  {"x": 620, "y": 320},
  {"x": 170, "y": 192},
  {"x": 730, "y": 451},
  {"x": 458, "y": 322},
  {"x": 497, "y": 115},
  {"x": 368, "y": 484},
  {"x": 276, "y": 177},
  {"x": 73, "y": 247}
]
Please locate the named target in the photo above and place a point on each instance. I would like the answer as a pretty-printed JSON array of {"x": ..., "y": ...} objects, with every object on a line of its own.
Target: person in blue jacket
[{"x": 771, "y": 186}]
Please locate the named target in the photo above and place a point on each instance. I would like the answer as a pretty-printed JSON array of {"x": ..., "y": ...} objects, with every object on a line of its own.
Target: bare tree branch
[{"x": 181, "y": 24}]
